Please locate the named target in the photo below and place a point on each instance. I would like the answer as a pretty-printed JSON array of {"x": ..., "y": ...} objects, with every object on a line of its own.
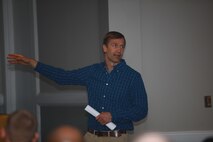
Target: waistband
[{"x": 115, "y": 133}]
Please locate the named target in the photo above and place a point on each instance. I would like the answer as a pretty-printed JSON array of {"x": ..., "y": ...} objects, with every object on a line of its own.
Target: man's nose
[{"x": 119, "y": 49}]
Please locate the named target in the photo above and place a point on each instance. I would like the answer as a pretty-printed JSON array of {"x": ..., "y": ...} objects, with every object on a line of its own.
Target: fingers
[
  {"x": 12, "y": 61},
  {"x": 104, "y": 118},
  {"x": 20, "y": 59},
  {"x": 17, "y": 59},
  {"x": 12, "y": 56},
  {"x": 17, "y": 62},
  {"x": 101, "y": 120}
]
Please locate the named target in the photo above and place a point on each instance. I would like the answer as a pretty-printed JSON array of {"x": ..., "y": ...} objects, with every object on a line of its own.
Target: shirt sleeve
[
  {"x": 63, "y": 77},
  {"x": 139, "y": 107}
]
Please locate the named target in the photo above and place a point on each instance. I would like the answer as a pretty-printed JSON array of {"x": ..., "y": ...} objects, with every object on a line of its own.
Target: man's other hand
[
  {"x": 20, "y": 59},
  {"x": 104, "y": 118}
]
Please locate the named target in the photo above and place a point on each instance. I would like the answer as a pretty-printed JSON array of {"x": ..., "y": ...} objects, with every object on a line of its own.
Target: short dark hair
[
  {"x": 209, "y": 139},
  {"x": 21, "y": 126},
  {"x": 113, "y": 35}
]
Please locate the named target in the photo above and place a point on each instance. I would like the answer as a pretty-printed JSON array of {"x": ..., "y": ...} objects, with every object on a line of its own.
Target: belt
[{"x": 116, "y": 133}]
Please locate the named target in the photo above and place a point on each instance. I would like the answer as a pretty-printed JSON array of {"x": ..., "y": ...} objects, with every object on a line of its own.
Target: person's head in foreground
[
  {"x": 151, "y": 137},
  {"x": 21, "y": 127},
  {"x": 209, "y": 139},
  {"x": 65, "y": 134}
]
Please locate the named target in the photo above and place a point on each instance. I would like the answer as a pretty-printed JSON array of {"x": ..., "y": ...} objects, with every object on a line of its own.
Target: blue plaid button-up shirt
[{"x": 120, "y": 92}]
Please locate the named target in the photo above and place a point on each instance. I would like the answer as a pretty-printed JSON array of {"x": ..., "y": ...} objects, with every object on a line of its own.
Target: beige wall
[{"x": 174, "y": 54}]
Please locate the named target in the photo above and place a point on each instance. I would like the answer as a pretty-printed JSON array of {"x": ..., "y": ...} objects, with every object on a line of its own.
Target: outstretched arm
[
  {"x": 60, "y": 76},
  {"x": 20, "y": 59}
]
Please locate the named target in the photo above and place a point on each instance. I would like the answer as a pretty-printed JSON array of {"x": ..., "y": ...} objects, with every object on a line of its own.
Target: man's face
[{"x": 114, "y": 50}]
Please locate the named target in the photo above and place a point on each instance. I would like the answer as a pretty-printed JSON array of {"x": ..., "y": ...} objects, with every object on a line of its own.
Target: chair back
[{"x": 3, "y": 122}]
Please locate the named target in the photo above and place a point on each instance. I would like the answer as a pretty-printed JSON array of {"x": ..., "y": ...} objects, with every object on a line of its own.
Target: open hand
[
  {"x": 20, "y": 59},
  {"x": 104, "y": 118}
]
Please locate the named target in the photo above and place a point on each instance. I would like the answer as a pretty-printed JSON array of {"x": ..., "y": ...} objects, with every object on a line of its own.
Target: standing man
[{"x": 114, "y": 89}]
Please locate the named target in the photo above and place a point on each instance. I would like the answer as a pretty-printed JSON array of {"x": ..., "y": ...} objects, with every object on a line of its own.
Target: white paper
[{"x": 95, "y": 113}]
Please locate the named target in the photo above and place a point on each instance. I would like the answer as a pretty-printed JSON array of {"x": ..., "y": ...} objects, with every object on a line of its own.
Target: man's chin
[{"x": 116, "y": 61}]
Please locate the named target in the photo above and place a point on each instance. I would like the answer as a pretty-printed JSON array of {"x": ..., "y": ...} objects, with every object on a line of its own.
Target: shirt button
[
  {"x": 107, "y": 84},
  {"x": 102, "y": 107},
  {"x": 104, "y": 96},
  {"x": 117, "y": 70}
]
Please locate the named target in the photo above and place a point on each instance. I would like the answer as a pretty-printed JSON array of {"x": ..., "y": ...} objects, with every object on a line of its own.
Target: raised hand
[{"x": 20, "y": 59}]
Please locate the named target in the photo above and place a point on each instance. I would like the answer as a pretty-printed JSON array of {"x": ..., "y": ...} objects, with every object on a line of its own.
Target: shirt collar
[
  {"x": 121, "y": 64},
  {"x": 118, "y": 66}
]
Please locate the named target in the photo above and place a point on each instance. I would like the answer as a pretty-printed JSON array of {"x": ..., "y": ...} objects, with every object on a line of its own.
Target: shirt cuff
[{"x": 37, "y": 66}]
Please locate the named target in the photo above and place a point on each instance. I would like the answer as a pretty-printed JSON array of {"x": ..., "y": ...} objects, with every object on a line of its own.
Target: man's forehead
[{"x": 117, "y": 40}]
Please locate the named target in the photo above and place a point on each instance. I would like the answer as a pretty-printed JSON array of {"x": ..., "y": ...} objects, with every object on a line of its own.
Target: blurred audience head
[
  {"x": 209, "y": 139},
  {"x": 151, "y": 137},
  {"x": 21, "y": 127},
  {"x": 65, "y": 134}
]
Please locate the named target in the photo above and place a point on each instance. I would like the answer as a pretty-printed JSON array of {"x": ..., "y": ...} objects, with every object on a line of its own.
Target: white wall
[
  {"x": 177, "y": 40},
  {"x": 170, "y": 43},
  {"x": 124, "y": 16}
]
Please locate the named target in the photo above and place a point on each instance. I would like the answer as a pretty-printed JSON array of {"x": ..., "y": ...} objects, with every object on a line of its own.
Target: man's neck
[{"x": 110, "y": 65}]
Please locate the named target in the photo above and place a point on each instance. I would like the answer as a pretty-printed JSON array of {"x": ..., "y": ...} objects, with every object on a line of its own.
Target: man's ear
[
  {"x": 2, "y": 133},
  {"x": 104, "y": 48},
  {"x": 36, "y": 137}
]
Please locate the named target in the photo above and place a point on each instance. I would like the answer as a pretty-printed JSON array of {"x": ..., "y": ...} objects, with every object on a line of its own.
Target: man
[
  {"x": 21, "y": 127},
  {"x": 114, "y": 89},
  {"x": 65, "y": 134}
]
